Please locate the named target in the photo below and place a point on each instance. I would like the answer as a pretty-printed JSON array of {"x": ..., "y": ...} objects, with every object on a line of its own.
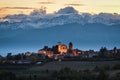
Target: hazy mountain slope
[{"x": 89, "y": 36}]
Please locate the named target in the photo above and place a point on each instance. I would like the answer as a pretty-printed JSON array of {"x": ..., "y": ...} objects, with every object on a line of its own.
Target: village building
[
  {"x": 59, "y": 50},
  {"x": 62, "y": 48}
]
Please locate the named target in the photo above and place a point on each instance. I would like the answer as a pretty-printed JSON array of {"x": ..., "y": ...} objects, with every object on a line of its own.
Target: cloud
[
  {"x": 41, "y": 11},
  {"x": 16, "y": 8},
  {"x": 75, "y": 4},
  {"x": 109, "y": 6},
  {"x": 1, "y": 9},
  {"x": 47, "y": 2},
  {"x": 40, "y": 19},
  {"x": 67, "y": 10}
]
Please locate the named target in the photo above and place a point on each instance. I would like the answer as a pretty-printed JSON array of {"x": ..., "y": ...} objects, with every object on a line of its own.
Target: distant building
[
  {"x": 62, "y": 48},
  {"x": 48, "y": 53},
  {"x": 42, "y": 51},
  {"x": 28, "y": 54},
  {"x": 59, "y": 50}
]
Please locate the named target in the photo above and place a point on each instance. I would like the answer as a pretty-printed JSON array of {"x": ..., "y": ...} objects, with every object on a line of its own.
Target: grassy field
[
  {"x": 64, "y": 70},
  {"x": 74, "y": 65},
  {"x": 56, "y": 65}
]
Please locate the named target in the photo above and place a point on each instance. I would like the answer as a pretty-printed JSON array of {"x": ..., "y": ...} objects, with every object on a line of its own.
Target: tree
[
  {"x": 102, "y": 75},
  {"x": 9, "y": 56},
  {"x": 45, "y": 47},
  {"x": 17, "y": 57},
  {"x": 7, "y": 76},
  {"x": 103, "y": 52},
  {"x": 55, "y": 49},
  {"x": 115, "y": 51},
  {"x": 33, "y": 58}
]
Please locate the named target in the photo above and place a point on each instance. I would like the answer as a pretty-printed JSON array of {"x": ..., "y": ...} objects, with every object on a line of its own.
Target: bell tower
[{"x": 70, "y": 47}]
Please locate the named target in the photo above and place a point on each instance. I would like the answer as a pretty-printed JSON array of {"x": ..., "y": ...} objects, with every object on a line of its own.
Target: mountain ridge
[{"x": 89, "y": 36}]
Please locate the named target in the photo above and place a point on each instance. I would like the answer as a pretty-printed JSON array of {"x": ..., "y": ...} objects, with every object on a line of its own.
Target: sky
[{"x": 10, "y": 7}]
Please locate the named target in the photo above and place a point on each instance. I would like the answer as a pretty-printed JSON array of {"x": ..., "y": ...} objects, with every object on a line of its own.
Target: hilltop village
[{"x": 60, "y": 52}]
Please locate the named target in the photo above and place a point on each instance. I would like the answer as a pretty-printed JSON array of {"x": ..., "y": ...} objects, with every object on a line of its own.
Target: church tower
[
  {"x": 62, "y": 48},
  {"x": 70, "y": 50},
  {"x": 70, "y": 46},
  {"x": 59, "y": 44}
]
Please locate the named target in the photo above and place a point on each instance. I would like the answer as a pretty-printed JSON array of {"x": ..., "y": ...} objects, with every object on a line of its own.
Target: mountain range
[
  {"x": 22, "y": 33},
  {"x": 89, "y": 36}
]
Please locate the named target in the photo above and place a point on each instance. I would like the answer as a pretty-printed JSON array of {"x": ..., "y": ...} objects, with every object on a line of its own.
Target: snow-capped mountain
[
  {"x": 21, "y": 33},
  {"x": 88, "y": 36}
]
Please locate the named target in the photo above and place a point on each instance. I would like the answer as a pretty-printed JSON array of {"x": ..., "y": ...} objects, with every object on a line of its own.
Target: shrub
[{"x": 116, "y": 67}]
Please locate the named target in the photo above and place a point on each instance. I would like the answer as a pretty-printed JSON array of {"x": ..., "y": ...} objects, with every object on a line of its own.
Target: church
[
  {"x": 59, "y": 49},
  {"x": 62, "y": 48}
]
